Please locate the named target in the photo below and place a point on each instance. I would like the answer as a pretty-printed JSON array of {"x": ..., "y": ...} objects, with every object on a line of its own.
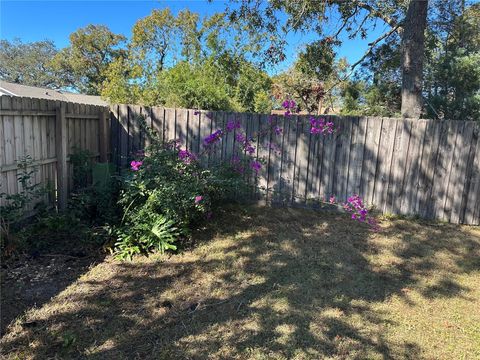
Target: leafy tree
[
  {"x": 30, "y": 63},
  {"x": 152, "y": 38},
  {"x": 404, "y": 18},
  {"x": 311, "y": 84},
  {"x": 453, "y": 63},
  {"x": 211, "y": 69},
  {"x": 193, "y": 86},
  {"x": 252, "y": 89},
  {"x": 119, "y": 85},
  {"x": 87, "y": 58},
  {"x": 451, "y": 85}
]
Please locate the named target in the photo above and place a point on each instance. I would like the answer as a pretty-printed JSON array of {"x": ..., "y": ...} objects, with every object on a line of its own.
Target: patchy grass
[{"x": 273, "y": 284}]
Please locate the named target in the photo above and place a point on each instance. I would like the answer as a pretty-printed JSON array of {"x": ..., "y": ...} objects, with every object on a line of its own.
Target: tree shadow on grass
[{"x": 274, "y": 283}]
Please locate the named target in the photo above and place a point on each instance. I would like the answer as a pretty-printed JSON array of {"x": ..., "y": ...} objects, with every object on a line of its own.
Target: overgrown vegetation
[
  {"x": 16, "y": 205},
  {"x": 31, "y": 225}
]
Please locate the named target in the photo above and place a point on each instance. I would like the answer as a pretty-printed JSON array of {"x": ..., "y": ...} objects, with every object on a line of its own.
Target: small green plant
[
  {"x": 154, "y": 233},
  {"x": 68, "y": 339},
  {"x": 13, "y": 211}
]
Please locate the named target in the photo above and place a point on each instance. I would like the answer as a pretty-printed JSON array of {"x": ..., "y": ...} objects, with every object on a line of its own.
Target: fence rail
[{"x": 424, "y": 167}]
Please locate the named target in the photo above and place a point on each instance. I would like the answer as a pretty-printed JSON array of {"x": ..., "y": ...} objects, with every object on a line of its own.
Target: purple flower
[
  {"x": 198, "y": 198},
  {"x": 232, "y": 124},
  {"x": 240, "y": 137},
  {"x": 135, "y": 165},
  {"x": 212, "y": 138},
  {"x": 196, "y": 112},
  {"x": 332, "y": 199},
  {"x": 319, "y": 126},
  {"x": 289, "y": 104},
  {"x": 255, "y": 165},
  {"x": 186, "y": 156},
  {"x": 356, "y": 207},
  {"x": 278, "y": 130},
  {"x": 250, "y": 149}
]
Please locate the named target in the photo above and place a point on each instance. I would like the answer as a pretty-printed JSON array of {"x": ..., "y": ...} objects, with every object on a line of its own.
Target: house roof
[{"x": 12, "y": 89}]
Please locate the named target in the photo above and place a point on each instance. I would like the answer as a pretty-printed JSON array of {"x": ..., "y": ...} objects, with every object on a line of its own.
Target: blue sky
[{"x": 55, "y": 20}]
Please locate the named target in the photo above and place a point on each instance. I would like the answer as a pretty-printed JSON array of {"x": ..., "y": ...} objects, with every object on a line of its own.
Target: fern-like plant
[{"x": 149, "y": 233}]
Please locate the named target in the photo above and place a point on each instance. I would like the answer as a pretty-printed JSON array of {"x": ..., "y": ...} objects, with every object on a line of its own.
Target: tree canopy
[{"x": 428, "y": 63}]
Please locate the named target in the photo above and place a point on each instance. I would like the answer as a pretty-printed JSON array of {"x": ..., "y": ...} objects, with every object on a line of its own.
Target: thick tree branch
[
  {"x": 376, "y": 13},
  {"x": 371, "y": 46},
  {"x": 345, "y": 22}
]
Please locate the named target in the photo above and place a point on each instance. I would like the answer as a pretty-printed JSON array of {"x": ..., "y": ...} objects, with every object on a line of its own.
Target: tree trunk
[{"x": 412, "y": 58}]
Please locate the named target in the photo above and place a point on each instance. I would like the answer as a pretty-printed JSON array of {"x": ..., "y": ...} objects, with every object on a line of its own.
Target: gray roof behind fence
[{"x": 12, "y": 89}]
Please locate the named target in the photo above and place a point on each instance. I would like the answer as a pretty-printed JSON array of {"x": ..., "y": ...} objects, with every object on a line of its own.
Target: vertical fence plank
[
  {"x": 472, "y": 203},
  {"x": 370, "y": 158},
  {"x": 431, "y": 141},
  {"x": 384, "y": 163},
  {"x": 460, "y": 171},
  {"x": 158, "y": 121},
  {"x": 9, "y": 140},
  {"x": 318, "y": 192},
  {"x": 444, "y": 165},
  {"x": 342, "y": 157},
  {"x": 124, "y": 135},
  {"x": 181, "y": 127},
  {"x": 102, "y": 139},
  {"x": 3, "y": 174},
  {"x": 359, "y": 127},
  {"x": 411, "y": 172},
  {"x": 327, "y": 166},
  {"x": 296, "y": 128},
  {"x": 61, "y": 151}
]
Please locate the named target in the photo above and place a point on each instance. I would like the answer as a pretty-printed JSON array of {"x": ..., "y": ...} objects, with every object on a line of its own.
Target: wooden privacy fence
[
  {"x": 424, "y": 167},
  {"x": 416, "y": 167},
  {"x": 48, "y": 131}
]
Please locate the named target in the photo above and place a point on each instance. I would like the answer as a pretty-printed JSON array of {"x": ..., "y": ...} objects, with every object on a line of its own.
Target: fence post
[
  {"x": 103, "y": 145},
  {"x": 61, "y": 154}
]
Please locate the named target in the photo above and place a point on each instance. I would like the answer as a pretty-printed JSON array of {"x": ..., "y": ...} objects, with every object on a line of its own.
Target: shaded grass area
[
  {"x": 49, "y": 253},
  {"x": 273, "y": 284}
]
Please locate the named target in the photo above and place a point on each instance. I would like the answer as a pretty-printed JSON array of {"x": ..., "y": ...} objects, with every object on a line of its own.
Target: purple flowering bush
[{"x": 166, "y": 195}]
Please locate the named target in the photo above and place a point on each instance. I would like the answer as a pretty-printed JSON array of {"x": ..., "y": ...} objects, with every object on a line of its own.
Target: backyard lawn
[{"x": 273, "y": 284}]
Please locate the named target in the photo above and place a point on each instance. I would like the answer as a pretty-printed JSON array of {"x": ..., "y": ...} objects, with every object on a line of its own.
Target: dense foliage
[{"x": 167, "y": 194}]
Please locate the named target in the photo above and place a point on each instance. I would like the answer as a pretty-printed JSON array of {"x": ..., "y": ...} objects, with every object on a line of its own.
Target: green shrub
[
  {"x": 15, "y": 207},
  {"x": 166, "y": 196},
  {"x": 95, "y": 190}
]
